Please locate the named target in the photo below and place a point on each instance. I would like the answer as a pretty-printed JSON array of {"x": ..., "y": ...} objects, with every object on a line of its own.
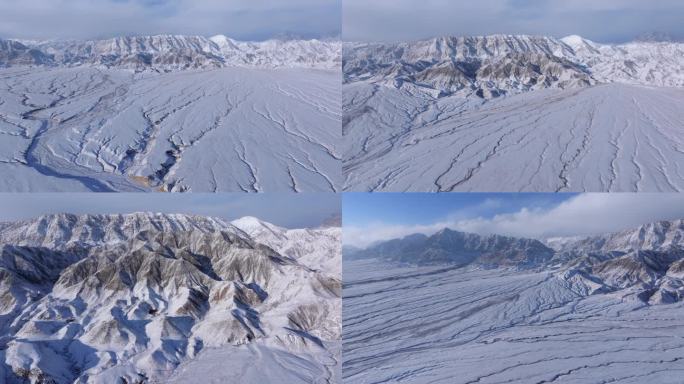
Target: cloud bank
[
  {"x": 600, "y": 20},
  {"x": 240, "y": 19},
  {"x": 583, "y": 215}
]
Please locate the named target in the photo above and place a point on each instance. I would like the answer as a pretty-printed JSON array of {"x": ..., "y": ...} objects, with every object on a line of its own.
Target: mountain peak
[
  {"x": 248, "y": 222},
  {"x": 63, "y": 229},
  {"x": 573, "y": 40}
]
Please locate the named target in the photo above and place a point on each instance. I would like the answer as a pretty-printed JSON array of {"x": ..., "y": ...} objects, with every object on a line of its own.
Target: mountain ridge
[
  {"x": 494, "y": 65},
  {"x": 171, "y": 52}
]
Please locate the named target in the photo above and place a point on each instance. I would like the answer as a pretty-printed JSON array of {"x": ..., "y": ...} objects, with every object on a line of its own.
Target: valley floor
[
  {"x": 446, "y": 325},
  {"x": 259, "y": 364},
  {"x": 606, "y": 138},
  {"x": 223, "y": 130}
]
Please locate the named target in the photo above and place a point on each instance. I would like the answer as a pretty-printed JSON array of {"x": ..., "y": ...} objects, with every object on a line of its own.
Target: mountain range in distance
[
  {"x": 490, "y": 66},
  {"x": 171, "y": 52},
  {"x": 646, "y": 262}
]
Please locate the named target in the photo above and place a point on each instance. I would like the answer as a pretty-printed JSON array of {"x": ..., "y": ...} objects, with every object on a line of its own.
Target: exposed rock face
[{"x": 100, "y": 298}]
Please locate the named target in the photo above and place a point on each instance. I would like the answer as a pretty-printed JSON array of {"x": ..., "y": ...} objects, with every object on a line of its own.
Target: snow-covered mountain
[
  {"x": 280, "y": 53},
  {"x": 659, "y": 236},
  {"x": 646, "y": 262},
  {"x": 654, "y": 63},
  {"x": 648, "y": 259},
  {"x": 15, "y": 53},
  {"x": 489, "y": 66},
  {"x": 461, "y": 249},
  {"x": 142, "y": 297},
  {"x": 172, "y": 52},
  {"x": 443, "y": 325},
  {"x": 318, "y": 248}
]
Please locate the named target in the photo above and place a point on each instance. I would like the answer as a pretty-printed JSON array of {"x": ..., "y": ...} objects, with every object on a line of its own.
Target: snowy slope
[
  {"x": 606, "y": 138},
  {"x": 646, "y": 63},
  {"x": 430, "y": 325},
  {"x": 226, "y": 129},
  {"x": 513, "y": 113},
  {"x": 318, "y": 248},
  {"x": 101, "y": 298},
  {"x": 597, "y": 310}
]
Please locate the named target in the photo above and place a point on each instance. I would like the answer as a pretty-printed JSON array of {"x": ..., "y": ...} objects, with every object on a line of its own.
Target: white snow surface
[
  {"x": 159, "y": 298},
  {"x": 513, "y": 113},
  {"x": 430, "y": 325},
  {"x": 202, "y": 130},
  {"x": 606, "y": 138}
]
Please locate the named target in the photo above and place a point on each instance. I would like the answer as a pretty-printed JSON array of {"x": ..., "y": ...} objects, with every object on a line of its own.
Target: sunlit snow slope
[{"x": 513, "y": 113}]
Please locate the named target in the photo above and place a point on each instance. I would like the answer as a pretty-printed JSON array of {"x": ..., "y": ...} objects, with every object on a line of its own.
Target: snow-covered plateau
[
  {"x": 464, "y": 308},
  {"x": 513, "y": 113},
  {"x": 168, "y": 298},
  {"x": 170, "y": 113}
]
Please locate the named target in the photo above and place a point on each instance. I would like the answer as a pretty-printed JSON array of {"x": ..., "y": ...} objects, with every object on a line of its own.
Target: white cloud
[{"x": 586, "y": 214}]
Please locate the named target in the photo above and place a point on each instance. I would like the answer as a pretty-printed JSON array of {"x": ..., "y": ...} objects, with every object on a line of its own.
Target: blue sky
[
  {"x": 368, "y": 218},
  {"x": 240, "y": 19},
  {"x": 283, "y": 209},
  {"x": 426, "y": 208},
  {"x": 599, "y": 20}
]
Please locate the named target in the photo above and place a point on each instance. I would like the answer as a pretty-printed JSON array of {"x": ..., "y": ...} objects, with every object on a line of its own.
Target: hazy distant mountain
[
  {"x": 458, "y": 248},
  {"x": 15, "y": 53},
  {"x": 659, "y": 37}
]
